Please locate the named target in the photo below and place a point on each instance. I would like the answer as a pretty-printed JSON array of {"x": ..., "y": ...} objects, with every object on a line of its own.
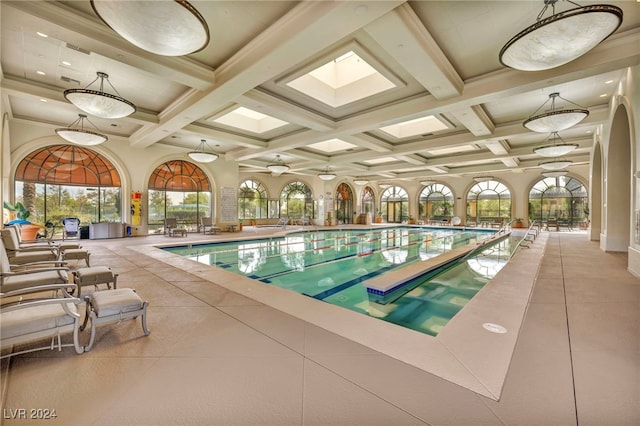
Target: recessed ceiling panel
[
  {"x": 250, "y": 120},
  {"x": 419, "y": 126},
  {"x": 345, "y": 79},
  {"x": 332, "y": 145}
]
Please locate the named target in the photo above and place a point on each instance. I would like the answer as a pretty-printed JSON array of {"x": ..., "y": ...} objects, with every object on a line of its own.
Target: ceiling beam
[
  {"x": 404, "y": 37},
  {"x": 309, "y": 27}
]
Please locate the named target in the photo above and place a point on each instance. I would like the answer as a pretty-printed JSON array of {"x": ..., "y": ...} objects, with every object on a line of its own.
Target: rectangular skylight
[
  {"x": 250, "y": 120},
  {"x": 332, "y": 145},
  {"x": 452, "y": 149},
  {"x": 345, "y": 79},
  {"x": 418, "y": 126},
  {"x": 380, "y": 160}
]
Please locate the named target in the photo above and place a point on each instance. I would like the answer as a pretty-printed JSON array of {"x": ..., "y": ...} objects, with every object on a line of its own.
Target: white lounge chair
[
  {"x": 20, "y": 255},
  {"x": 18, "y": 277},
  {"x": 39, "y": 318}
]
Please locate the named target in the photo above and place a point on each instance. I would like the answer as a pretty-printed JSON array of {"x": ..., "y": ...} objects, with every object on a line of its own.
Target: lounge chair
[
  {"x": 207, "y": 226},
  {"x": 284, "y": 220},
  {"x": 42, "y": 243},
  {"x": 18, "y": 277},
  {"x": 170, "y": 225},
  {"x": 25, "y": 255},
  {"x": 304, "y": 221},
  {"x": 40, "y": 318},
  {"x": 70, "y": 228}
]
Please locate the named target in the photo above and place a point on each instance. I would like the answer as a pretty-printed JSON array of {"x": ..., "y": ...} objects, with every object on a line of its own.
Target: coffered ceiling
[{"x": 432, "y": 60}]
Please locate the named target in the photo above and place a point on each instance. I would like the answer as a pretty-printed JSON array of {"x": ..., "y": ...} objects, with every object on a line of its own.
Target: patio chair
[
  {"x": 207, "y": 226},
  {"x": 36, "y": 319},
  {"x": 304, "y": 221},
  {"x": 284, "y": 220},
  {"x": 18, "y": 277},
  {"x": 42, "y": 243},
  {"x": 169, "y": 225},
  {"x": 19, "y": 255},
  {"x": 70, "y": 228}
]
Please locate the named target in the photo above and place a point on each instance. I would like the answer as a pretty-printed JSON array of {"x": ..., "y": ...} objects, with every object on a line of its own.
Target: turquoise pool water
[{"x": 331, "y": 265}]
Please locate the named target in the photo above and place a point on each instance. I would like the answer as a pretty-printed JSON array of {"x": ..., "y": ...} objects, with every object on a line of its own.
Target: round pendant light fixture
[
  {"x": 360, "y": 181},
  {"x": 556, "y": 148},
  {"x": 278, "y": 166},
  {"x": 98, "y": 102},
  {"x": 168, "y": 27},
  {"x": 483, "y": 178},
  {"x": 555, "y": 174},
  {"x": 555, "y": 119},
  {"x": 201, "y": 155},
  {"x": 79, "y": 135},
  {"x": 560, "y": 38},
  {"x": 556, "y": 164},
  {"x": 327, "y": 175}
]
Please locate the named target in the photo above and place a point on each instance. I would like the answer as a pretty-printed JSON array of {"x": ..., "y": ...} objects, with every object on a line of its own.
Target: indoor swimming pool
[{"x": 334, "y": 265}]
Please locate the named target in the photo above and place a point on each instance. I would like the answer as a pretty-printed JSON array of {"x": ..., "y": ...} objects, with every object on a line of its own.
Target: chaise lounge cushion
[
  {"x": 114, "y": 302},
  {"x": 35, "y": 319},
  {"x": 20, "y": 281}
]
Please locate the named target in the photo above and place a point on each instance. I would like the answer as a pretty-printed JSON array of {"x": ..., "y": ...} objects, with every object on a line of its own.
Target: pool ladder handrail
[{"x": 530, "y": 235}]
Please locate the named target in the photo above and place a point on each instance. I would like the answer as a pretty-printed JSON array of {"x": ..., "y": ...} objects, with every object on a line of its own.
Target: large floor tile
[
  {"x": 607, "y": 387},
  {"x": 331, "y": 400},
  {"x": 604, "y": 326},
  {"x": 212, "y": 391},
  {"x": 426, "y": 396}
]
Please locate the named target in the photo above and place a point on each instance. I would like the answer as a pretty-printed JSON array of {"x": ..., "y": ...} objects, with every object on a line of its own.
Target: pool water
[{"x": 331, "y": 265}]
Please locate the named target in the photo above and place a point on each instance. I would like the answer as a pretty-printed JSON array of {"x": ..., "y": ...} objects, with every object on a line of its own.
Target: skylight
[
  {"x": 345, "y": 79},
  {"x": 452, "y": 149},
  {"x": 250, "y": 120},
  {"x": 332, "y": 145},
  {"x": 418, "y": 126},
  {"x": 380, "y": 160}
]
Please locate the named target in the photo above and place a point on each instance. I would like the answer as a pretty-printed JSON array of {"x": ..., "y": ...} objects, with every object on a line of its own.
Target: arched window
[
  {"x": 296, "y": 201},
  {"x": 178, "y": 189},
  {"x": 394, "y": 204},
  {"x": 563, "y": 198},
  {"x": 344, "y": 204},
  {"x": 61, "y": 181},
  {"x": 489, "y": 203},
  {"x": 368, "y": 201},
  {"x": 435, "y": 202},
  {"x": 252, "y": 200}
]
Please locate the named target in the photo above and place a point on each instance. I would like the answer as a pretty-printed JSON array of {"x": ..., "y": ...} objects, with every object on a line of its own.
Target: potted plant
[
  {"x": 412, "y": 221},
  {"x": 518, "y": 223},
  {"x": 379, "y": 217},
  {"x": 28, "y": 231},
  {"x": 240, "y": 225},
  {"x": 329, "y": 219}
]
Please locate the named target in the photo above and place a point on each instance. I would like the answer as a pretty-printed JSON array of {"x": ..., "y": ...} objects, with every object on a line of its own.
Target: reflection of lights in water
[
  {"x": 326, "y": 282},
  {"x": 396, "y": 257},
  {"x": 487, "y": 268},
  {"x": 292, "y": 252},
  {"x": 250, "y": 257},
  {"x": 361, "y": 271}
]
